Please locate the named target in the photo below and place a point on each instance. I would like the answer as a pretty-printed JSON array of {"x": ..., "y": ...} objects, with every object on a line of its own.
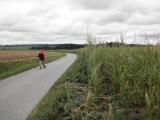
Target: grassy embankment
[
  {"x": 118, "y": 83},
  {"x": 13, "y": 62}
]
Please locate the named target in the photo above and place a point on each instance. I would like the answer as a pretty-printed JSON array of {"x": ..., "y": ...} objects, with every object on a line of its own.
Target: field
[
  {"x": 16, "y": 61},
  {"x": 16, "y": 55},
  {"x": 106, "y": 83}
]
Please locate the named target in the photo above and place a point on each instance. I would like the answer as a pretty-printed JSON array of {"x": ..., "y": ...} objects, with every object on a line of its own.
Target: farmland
[
  {"x": 16, "y": 55},
  {"x": 117, "y": 83},
  {"x": 16, "y": 61}
]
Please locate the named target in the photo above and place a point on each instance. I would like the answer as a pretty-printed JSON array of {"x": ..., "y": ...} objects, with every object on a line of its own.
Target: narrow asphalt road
[{"x": 19, "y": 94}]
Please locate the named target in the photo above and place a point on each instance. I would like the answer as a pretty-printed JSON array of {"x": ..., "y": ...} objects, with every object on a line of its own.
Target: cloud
[
  {"x": 61, "y": 21},
  {"x": 93, "y": 4}
]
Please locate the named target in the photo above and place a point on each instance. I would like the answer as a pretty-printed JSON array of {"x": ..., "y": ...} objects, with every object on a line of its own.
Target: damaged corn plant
[{"x": 123, "y": 83}]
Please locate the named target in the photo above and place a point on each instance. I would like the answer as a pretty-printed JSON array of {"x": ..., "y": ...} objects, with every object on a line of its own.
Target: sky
[{"x": 69, "y": 21}]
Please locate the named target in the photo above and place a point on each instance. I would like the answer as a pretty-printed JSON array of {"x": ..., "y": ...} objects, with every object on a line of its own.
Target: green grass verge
[
  {"x": 10, "y": 68},
  {"x": 51, "y": 106}
]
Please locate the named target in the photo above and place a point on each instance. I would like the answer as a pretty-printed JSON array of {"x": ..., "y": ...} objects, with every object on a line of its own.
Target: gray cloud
[
  {"x": 61, "y": 21},
  {"x": 115, "y": 17},
  {"x": 93, "y": 4}
]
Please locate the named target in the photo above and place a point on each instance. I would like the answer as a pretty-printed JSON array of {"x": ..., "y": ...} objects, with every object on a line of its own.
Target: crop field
[
  {"x": 108, "y": 83},
  {"x": 13, "y": 62},
  {"x": 16, "y": 55},
  {"x": 122, "y": 83}
]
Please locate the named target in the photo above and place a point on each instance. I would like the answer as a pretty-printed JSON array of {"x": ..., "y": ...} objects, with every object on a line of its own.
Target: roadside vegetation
[
  {"x": 13, "y": 62},
  {"x": 106, "y": 83}
]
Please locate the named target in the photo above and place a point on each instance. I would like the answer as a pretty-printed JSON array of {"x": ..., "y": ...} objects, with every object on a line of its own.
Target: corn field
[{"x": 117, "y": 83}]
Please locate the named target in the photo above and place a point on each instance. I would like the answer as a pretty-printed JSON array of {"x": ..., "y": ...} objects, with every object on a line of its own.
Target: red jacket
[{"x": 42, "y": 55}]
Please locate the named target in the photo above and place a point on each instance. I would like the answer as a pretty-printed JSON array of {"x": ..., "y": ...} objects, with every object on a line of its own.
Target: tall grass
[{"x": 131, "y": 72}]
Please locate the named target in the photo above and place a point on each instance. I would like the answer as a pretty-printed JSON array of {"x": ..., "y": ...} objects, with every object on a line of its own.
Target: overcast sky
[{"x": 67, "y": 21}]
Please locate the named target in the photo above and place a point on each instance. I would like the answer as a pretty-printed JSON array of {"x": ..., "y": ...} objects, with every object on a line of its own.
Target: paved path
[{"x": 19, "y": 94}]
